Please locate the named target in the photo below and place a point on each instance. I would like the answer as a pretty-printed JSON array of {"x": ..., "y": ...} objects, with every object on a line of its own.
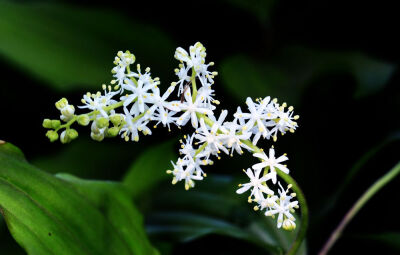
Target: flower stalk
[{"x": 370, "y": 192}]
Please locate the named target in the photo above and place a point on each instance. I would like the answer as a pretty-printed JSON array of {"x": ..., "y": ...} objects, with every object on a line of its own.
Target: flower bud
[
  {"x": 102, "y": 122},
  {"x": 288, "y": 225},
  {"x": 83, "y": 120},
  {"x": 72, "y": 134},
  {"x": 64, "y": 138},
  {"x": 112, "y": 132},
  {"x": 52, "y": 135},
  {"x": 116, "y": 119},
  {"x": 55, "y": 124},
  {"x": 47, "y": 123},
  {"x": 97, "y": 136},
  {"x": 61, "y": 103},
  {"x": 68, "y": 111}
]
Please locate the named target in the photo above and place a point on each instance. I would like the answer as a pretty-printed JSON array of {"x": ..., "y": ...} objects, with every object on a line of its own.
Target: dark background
[{"x": 337, "y": 127}]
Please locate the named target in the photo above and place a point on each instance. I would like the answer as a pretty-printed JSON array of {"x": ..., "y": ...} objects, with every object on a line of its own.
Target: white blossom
[
  {"x": 256, "y": 185},
  {"x": 284, "y": 208},
  {"x": 271, "y": 162},
  {"x": 190, "y": 108}
]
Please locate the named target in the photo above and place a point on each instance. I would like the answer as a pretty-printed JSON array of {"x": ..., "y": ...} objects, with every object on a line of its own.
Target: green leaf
[
  {"x": 149, "y": 168},
  {"x": 89, "y": 159},
  {"x": 213, "y": 207},
  {"x": 69, "y": 47},
  {"x": 64, "y": 215},
  {"x": 287, "y": 74}
]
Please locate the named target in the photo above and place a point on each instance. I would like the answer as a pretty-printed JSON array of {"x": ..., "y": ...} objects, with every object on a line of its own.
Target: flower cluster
[{"x": 133, "y": 100}]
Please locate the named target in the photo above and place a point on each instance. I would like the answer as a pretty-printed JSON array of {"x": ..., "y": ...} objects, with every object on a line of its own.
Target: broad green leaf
[
  {"x": 90, "y": 159},
  {"x": 212, "y": 207},
  {"x": 287, "y": 74},
  {"x": 70, "y": 47},
  {"x": 150, "y": 168},
  {"x": 65, "y": 215}
]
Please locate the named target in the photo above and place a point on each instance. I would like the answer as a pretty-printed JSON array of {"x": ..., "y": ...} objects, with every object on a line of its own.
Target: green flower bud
[
  {"x": 97, "y": 137},
  {"x": 116, "y": 119},
  {"x": 64, "y": 138},
  {"x": 102, "y": 122},
  {"x": 47, "y": 123},
  {"x": 52, "y": 135},
  {"x": 83, "y": 119},
  {"x": 72, "y": 134},
  {"x": 61, "y": 103},
  {"x": 112, "y": 132},
  {"x": 55, "y": 124}
]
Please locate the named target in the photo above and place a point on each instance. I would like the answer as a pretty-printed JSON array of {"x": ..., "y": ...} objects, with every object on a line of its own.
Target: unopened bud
[
  {"x": 72, "y": 133},
  {"x": 102, "y": 122},
  {"x": 288, "y": 225},
  {"x": 61, "y": 103},
  {"x": 55, "y": 124},
  {"x": 47, "y": 123},
  {"x": 83, "y": 120},
  {"x": 68, "y": 111},
  {"x": 52, "y": 135},
  {"x": 112, "y": 132},
  {"x": 116, "y": 119},
  {"x": 64, "y": 138},
  {"x": 97, "y": 137}
]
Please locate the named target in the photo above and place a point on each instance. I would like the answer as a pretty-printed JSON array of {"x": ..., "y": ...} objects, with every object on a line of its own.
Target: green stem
[
  {"x": 200, "y": 149},
  {"x": 301, "y": 234},
  {"x": 193, "y": 80},
  {"x": 358, "y": 205},
  {"x": 107, "y": 108}
]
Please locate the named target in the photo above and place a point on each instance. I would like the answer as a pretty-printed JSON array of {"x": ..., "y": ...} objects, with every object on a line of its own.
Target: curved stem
[
  {"x": 304, "y": 212},
  {"x": 358, "y": 205}
]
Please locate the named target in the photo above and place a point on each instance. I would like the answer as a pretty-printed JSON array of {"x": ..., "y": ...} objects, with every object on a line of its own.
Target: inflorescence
[{"x": 141, "y": 101}]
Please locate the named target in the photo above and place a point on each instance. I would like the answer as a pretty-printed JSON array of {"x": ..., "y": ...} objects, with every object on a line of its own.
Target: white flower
[
  {"x": 207, "y": 95},
  {"x": 204, "y": 135},
  {"x": 233, "y": 138},
  {"x": 285, "y": 121},
  {"x": 133, "y": 127},
  {"x": 196, "y": 57},
  {"x": 97, "y": 102},
  {"x": 206, "y": 77},
  {"x": 267, "y": 203},
  {"x": 166, "y": 118},
  {"x": 140, "y": 93},
  {"x": 183, "y": 77},
  {"x": 284, "y": 208},
  {"x": 256, "y": 185},
  {"x": 196, "y": 60},
  {"x": 191, "y": 108},
  {"x": 184, "y": 170},
  {"x": 187, "y": 147},
  {"x": 272, "y": 163},
  {"x": 256, "y": 116},
  {"x": 159, "y": 102},
  {"x": 122, "y": 61}
]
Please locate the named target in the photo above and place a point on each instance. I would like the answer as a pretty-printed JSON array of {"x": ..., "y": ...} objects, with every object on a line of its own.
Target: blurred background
[{"x": 336, "y": 62}]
